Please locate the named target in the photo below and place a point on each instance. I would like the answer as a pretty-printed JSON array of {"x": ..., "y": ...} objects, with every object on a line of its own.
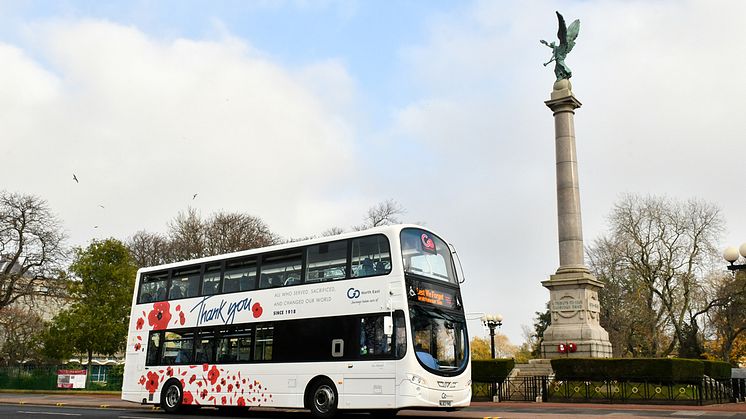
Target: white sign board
[{"x": 71, "y": 378}]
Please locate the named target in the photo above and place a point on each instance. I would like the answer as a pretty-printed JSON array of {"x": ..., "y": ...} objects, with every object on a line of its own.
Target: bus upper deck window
[
  {"x": 153, "y": 287},
  {"x": 370, "y": 256}
]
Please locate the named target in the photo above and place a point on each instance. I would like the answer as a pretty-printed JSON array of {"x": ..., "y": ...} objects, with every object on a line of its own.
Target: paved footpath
[{"x": 477, "y": 409}]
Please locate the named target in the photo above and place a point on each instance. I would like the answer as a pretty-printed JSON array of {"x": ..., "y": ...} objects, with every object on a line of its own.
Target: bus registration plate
[{"x": 445, "y": 403}]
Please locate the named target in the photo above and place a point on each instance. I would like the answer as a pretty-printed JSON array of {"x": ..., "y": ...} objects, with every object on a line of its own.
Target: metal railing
[
  {"x": 542, "y": 388},
  {"x": 44, "y": 377},
  {"x": 642, "y": 390}
]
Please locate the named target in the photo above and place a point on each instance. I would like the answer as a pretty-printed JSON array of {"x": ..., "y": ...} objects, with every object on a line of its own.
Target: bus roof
[{"x": 393, "y": 229}]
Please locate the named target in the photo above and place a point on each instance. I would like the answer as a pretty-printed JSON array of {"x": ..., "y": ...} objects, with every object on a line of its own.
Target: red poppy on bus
[
  {"x": 160, "y": 315},
  {"x": 152, "y": 384},
  {"x": 188, "y": 398},
  {"x": 257, "y": 309},
  {"x": 213, "y": 375}
]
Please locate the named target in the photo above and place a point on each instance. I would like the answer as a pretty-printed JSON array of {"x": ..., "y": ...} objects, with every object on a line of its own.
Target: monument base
[{"x": 574, "y": 310}]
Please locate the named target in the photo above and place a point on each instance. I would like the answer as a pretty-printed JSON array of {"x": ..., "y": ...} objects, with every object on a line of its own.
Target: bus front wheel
[
  {"x": 171, "y": 396},
  {"x": 323, "y": 399}
]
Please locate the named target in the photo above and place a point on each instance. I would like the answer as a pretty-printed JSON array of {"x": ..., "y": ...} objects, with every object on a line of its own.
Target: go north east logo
[{"x": 360, "y": 296}]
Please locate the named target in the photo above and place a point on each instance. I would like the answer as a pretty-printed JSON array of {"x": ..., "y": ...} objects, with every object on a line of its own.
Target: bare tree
[
  {"x": 333, "y": 231},
  {"x": 381, "y": 214},
  {"x": 655, "y": 260},
  {"x": 190, "y": 236},
  {"x": 20, "y": 335},
  {"x": 186, "y": 234},
  {"x": 232, "y": 231},
  {"x": 31, "y": 248},
  {"x": 148, "y": 249}
]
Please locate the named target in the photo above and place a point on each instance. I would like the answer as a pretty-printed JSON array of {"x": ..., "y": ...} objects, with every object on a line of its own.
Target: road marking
[
  {"x": 135, "y": 417},
  {"x": 688, "y": 413},
  {"x": 60, "y": 404},
  {"x": 104, "y": 406},
  {"x": 52, "y": 413}
]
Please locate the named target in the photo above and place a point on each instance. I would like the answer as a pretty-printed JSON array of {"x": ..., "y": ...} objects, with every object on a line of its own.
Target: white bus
[{"x": 370, "y": 320}]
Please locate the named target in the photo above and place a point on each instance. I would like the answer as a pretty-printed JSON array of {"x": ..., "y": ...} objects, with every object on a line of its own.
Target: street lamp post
[
  {"x": 731, "y": 255},
  {"x": 492, "y": 321}
]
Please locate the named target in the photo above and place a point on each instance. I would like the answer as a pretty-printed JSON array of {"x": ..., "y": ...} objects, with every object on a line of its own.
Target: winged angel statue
[{"x": 567, "y": 38}]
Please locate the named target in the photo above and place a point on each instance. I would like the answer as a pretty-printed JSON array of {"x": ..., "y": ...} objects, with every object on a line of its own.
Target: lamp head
[{"x": 731, "y": 253}]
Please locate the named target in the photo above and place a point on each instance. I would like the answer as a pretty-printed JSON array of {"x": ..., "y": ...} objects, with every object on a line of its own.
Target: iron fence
[
  {"x": 44, "y": 377},
  {"x": 738, "y": 387},
  {"x": 644, "y": 391},
  {"x": 705, "y": 391}
]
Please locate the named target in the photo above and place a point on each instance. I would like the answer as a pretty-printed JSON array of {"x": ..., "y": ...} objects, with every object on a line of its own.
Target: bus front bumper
[{"x": 415, "y": 395}]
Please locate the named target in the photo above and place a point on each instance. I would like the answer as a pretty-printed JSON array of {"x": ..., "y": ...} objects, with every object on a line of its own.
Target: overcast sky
[{"x": 306, "y": 113}]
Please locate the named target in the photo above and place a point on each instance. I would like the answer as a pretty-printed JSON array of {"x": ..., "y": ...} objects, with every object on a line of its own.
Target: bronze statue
[{"x": 559, "y": 52}]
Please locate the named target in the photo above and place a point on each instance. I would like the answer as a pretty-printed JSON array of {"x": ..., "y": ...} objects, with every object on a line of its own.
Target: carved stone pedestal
[{"x": 575, "y": 317}]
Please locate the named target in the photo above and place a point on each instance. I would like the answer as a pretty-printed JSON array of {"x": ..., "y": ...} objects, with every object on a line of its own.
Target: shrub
[
  {"x": 718, "y": 370},
  {"x": 669, "y": 370},
  {"x": 491, "y": 370}
]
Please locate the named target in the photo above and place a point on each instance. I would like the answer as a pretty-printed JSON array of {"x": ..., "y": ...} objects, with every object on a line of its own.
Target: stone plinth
[
  {"x": 573, "y": 291},
  {"x": 574, "y": 308}
]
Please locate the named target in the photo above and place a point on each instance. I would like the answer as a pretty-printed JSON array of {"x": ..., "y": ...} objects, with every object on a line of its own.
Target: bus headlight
[{"x": 416, "y": 379}]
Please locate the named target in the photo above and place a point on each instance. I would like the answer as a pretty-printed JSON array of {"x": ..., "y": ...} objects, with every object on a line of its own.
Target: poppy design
[
  {"x": 192, "y": 378},
  {"x": 142, "y": 380},
  {"x": 257, "y": 310},
  {"x": 188, "y": 398},
  {"x": 160, "y": 315},
  {"x": 230, "y": 388},
  {"x": 203, "y": 393},
  {"x": 182, "y": 319},
  {"x": 241, "y": 401},
  {"x": 140, "y": 323},
  {"x": 170, "y": 372},
  {"x": 213, "y": 375},
  {"x": 218, "y": 388},
  {"x": 152, "y": 384},
  {"x": 138, "y": 346}
]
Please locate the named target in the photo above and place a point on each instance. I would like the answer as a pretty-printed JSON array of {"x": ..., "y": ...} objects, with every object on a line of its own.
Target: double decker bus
[{"x": 370, "y": 320}]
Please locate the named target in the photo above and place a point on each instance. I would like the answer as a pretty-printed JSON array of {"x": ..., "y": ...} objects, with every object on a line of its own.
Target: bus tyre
[
  {"x": 171, "y": 396},
  {"x": 323, "y": 399}
]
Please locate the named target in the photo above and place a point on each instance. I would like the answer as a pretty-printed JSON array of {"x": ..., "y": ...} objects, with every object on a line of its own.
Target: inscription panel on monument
[
  {"x": 567, "y": 305},
  {"x": 575, "y": 305}
]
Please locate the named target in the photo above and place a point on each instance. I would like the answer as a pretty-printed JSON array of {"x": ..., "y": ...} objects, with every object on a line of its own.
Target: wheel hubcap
[
  {"x": 172, "y": 396},
  {"x": 323, "y": 400}
]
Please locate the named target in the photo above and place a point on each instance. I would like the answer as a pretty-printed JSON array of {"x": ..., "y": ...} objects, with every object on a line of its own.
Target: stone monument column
[{"x": 573, "y": 291}]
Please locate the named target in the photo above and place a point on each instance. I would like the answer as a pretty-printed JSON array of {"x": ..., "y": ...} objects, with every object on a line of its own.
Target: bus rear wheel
[
  {"x": 323, "y": 399},
  {"x": 172, "y": 397}
]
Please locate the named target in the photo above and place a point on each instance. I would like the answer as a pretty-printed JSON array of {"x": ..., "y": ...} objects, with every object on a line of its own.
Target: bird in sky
[
  {"x": 100, "y": 205},
  {"x": 95, "y": 226},
  {"x": 75, "y": 178},
  {"x": 194, "y": 196}
]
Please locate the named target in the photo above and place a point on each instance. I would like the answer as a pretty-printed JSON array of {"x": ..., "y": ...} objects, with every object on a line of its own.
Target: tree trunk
[{"x": 88, "y": 372}]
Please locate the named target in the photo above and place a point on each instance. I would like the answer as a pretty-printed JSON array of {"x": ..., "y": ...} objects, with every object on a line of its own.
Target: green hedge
[
  {"x": 670, "y": 370},
  {"x": 718, "y": 370},
  {"x": 491, "y": 370}
]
